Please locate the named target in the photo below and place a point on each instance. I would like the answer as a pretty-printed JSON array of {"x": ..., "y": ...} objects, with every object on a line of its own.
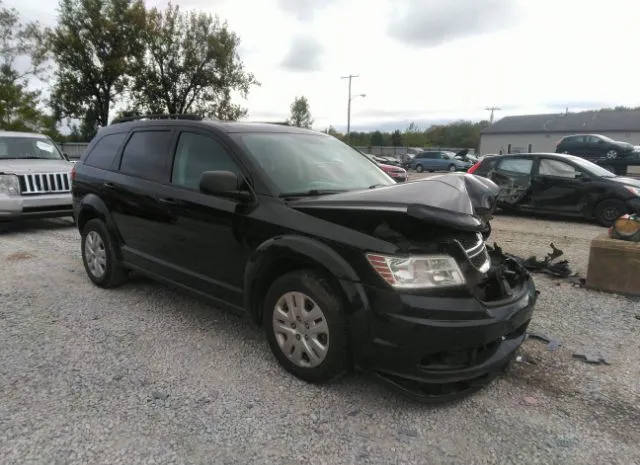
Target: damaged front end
[{"x": 436, "y": 343}]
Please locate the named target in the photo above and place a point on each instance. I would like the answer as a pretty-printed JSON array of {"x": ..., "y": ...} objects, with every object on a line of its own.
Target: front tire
[
  {"x": 306, "y": 327},
  {"x": 608, "y": 211},
  {"x": 612, "y": 155},
  {"x": 419, "y": 168},
  {"x": 99, "y": 256}
]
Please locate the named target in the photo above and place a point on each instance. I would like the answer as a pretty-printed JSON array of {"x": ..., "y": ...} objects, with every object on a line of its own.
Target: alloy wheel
[
  {"x": 301, "y": 329},
  {"x": 95, "y": 254}
]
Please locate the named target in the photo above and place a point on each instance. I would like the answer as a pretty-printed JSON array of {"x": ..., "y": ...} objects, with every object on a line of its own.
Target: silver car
[{"x": 35, "y": 177}]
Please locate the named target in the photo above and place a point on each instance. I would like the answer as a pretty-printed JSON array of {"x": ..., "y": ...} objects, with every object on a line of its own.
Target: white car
[{"x": 35, "y": 177}]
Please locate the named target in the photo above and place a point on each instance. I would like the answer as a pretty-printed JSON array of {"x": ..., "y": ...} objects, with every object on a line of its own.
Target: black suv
[{"x": 343, "y": 267}]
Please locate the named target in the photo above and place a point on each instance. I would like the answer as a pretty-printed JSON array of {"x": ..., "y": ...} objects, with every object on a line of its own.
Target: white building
[{"x": 540, "y": 133}]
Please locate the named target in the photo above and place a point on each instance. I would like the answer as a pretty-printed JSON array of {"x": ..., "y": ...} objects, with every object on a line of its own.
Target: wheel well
[
  {"x": 279, "y": 268},
  {"x": 86, "y": 215}
]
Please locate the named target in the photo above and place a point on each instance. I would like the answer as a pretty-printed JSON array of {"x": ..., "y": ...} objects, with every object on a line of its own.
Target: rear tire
[
  {"x": 306, "y": 327},
  {"x": 608, "y": 211},
  {"x": 101, "y": 262},
  {"x": 452, "y": 168}
]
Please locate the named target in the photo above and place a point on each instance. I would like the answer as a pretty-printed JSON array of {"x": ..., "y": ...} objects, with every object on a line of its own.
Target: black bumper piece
[{"x": 436, "y": 349}]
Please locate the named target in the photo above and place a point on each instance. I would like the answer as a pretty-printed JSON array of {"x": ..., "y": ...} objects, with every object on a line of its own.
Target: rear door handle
[
  {"x": 108, "y": 185},
  {"x": 167, "y": 201}
]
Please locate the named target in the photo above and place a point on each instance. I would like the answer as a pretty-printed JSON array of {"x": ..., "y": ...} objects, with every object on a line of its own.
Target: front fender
[{"x": 263, "y": 267}]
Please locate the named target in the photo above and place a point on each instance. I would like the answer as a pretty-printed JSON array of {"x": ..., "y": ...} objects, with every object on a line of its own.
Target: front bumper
[
  {"x": 439, "y": 348},
  {"x": 634, "y": 205},
  {"x": 36, "y": 206}
]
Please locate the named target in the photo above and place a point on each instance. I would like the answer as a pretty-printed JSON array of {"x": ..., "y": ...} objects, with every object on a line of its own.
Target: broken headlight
[
  {"x": 9, "y": 184},
  {"x": 418, "y": 272}
]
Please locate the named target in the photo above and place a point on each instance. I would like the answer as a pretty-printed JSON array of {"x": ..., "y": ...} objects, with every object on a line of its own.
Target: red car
[{"x": 397, "y": 173}]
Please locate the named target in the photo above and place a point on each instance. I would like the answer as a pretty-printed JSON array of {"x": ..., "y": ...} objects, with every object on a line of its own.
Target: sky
[{"x": 426, "y": 61}]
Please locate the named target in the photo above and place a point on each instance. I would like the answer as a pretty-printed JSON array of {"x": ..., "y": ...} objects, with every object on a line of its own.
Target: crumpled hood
[
  {"x": 13, "y": 166},
  {"x": 457, "y": 200}
]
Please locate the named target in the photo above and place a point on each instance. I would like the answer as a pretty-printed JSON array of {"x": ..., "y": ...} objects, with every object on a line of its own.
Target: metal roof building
[{"x": 539, "y": 133}]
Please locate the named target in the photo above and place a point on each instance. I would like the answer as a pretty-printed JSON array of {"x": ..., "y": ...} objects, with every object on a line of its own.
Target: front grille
[
  {"x": 477, "y": 254},
  {"x": 45, "y": 183}
]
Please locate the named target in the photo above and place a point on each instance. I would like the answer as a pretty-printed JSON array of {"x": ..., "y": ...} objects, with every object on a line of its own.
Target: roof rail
[{"x": 186, "y": 116}]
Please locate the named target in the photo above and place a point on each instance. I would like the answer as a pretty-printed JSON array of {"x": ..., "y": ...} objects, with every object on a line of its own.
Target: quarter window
[
  {"x": 105, "y": 151},
  {"x": 195, "y": 154},
  {"x": 145, "y": 155}
]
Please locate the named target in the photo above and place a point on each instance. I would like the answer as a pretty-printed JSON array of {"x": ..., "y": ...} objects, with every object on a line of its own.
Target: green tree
[
  {"x": 414, "y": 137},
  {"x": 377, "y": 139},
  {"x": 396, "y": 138},
  {"x": 95, "y": 46},
  {"x": 19, "y": 106},
  {"x": 191, "y": 65},
  {"x": 300, "y": 113}
]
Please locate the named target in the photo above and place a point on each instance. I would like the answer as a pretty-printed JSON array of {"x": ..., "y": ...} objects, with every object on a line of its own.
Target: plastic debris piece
[
  {"x": 553, "y": 345},
  {"x": 538, "y": 336},
  {"x": 594, "y": 359},
  {"x": 530, "y": 400}
]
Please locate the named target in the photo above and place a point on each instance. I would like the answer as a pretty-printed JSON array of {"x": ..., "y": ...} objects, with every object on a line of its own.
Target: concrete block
[{"x": 614, "y": 266}]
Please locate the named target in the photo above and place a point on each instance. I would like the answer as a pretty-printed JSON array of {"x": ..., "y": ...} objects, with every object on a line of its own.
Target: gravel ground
[{"x": 143, "y": 374}]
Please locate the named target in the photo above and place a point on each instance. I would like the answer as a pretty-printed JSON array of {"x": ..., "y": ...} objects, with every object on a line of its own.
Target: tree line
[
  {"x": 106, "y": 54},
  {"x": 457, "y": 134}
]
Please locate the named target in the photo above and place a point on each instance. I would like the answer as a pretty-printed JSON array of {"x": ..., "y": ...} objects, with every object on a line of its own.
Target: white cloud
[
  {"x": 305, "y": 54},
  {"x": 548, "y": 55}
]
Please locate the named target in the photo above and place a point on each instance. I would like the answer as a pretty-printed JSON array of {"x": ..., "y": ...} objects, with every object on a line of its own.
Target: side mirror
[
  {"x": 223, "y": 184},
  {"x": 66, "y": 156}
]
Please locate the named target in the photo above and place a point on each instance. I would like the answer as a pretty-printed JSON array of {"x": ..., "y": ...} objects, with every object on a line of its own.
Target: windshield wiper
[
  {"x": 312, "y": 193},
  {"x": 373, "y": 186}
]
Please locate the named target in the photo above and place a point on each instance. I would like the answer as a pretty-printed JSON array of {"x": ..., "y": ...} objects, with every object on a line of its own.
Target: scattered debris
[
  {"x": 553, "y": 345},
  {"x": 540, "y": 337},
  {"x": 530, "y": 400},
  {"x": 638, "y": 316},
  {"x": 594, "y": 359}
]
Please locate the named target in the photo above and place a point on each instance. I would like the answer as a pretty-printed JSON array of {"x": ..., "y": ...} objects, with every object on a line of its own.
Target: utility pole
[
  {"x": 492, "y": 109},
  {"x": 349, "y": 77}
]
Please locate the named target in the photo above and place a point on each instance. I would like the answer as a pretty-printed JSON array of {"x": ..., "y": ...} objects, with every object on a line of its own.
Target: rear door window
[
  {"x": 146, "y": 155},
  {"x": 105, "y": 150},
  {"x": 518, "y": 166}
]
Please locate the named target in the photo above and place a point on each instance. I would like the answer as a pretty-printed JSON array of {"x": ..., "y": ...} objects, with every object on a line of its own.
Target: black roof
[{"x": 583, "y": 122}]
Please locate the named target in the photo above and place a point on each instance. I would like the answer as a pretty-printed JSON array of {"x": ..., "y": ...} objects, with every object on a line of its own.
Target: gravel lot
[{"x": 143, "y": 374}]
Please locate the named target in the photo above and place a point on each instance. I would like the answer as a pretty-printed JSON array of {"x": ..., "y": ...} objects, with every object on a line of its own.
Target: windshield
[
  {"x": 298, "y": 163},
  {"x": 20, "y": 148},
  {"x": 592, "y": 168}
]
